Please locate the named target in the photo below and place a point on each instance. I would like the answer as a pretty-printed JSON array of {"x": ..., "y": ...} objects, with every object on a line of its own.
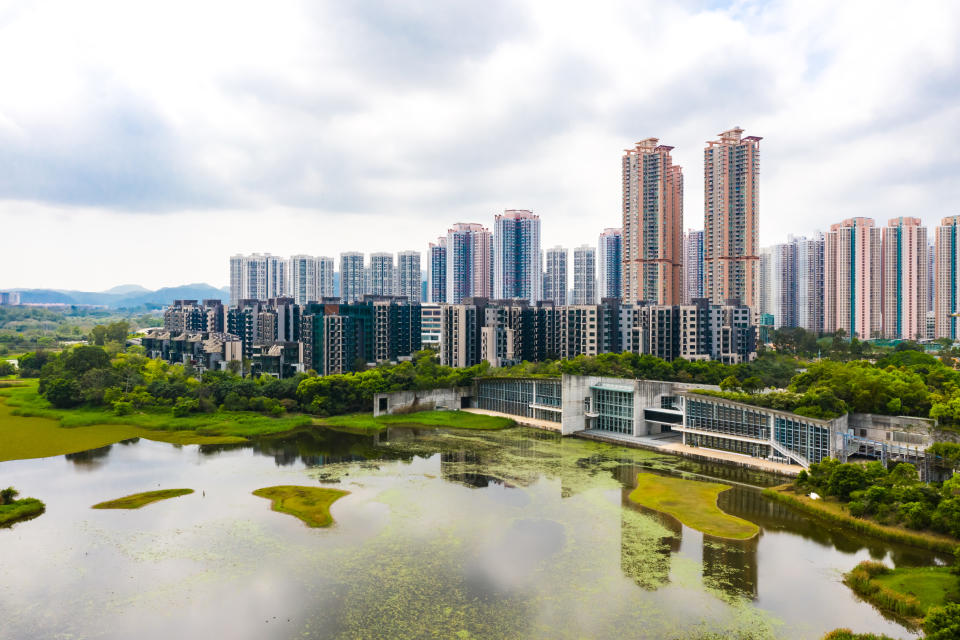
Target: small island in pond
[
  {"x": 693, "y": 503},
  {"x": 13, "y": 510},
  {"x": 310, "y": 504},
  {"x": 137, "y": 500}
]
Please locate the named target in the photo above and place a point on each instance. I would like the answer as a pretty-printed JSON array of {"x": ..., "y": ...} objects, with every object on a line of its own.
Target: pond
[{"x": 448, "y": 534}]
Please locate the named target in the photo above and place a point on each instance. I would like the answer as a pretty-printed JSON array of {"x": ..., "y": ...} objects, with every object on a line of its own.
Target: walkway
[
  {"x": 526, "y": 422},
  {"x": 669, "y": 443}
]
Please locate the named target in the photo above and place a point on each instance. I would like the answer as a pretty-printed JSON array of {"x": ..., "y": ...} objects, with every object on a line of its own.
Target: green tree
[
  {"x": 8, "y": 495},
  {"x": 81, "y": 359},
  {"x": 845, "y": 479},
  {"x": 63, "y": 393}
]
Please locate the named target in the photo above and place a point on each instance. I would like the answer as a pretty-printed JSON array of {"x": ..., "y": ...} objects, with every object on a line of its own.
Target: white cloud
[{"x": 178, "y": 134}]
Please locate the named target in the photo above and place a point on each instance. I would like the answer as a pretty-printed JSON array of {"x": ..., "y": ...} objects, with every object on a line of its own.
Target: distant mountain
[
  {"x": 133, "y": 296},
  {"x": 127, "y": 288}
]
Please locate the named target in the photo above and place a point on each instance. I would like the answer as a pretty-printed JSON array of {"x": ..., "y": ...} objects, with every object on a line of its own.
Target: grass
[
  {"x": 931, "y": 586},
  {"x": 20, "y": 510},
  {"x": 443, "y": 419},
  {"x": 906, "y": 592},
  {"x": 830, "y": 510},
  {"x": 310, "y": 504},
  {"x": 693, "y": 503},
  {"x": 31, "y": 428},
  {"x": 137, "y": 500}
]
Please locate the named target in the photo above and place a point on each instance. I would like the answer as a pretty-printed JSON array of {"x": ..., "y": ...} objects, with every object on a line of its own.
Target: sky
[{"x": 146, "y": 142}]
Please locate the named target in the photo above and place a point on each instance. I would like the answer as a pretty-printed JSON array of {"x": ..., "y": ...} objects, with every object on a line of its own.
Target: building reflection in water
[{"x": 730, "y": 566}]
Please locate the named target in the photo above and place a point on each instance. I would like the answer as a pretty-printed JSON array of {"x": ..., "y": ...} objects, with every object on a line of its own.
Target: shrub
[
  {"x": 942, "y": 623},
  {"x": 185, "y": 406},
  {"x": 121, "y": 408}
]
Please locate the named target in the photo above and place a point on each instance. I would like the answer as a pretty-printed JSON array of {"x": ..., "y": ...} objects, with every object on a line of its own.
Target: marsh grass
[
  {"x": 881, "y": 586},
  {"x": 137, "y": 500},
  {"x": 20, "y": 510},
  {"x": 310, "y": 504},
  {"x": 693, "y": 503},
  {"x": 832, "y": 512}
]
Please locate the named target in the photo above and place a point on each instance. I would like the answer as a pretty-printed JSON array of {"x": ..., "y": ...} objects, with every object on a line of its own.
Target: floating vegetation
[
  {"x": 20, "y": 510},
  {"x": 693, "y": 503},
  {"x": 137, "y": 500},
  {"x": 310, "y": 504}
]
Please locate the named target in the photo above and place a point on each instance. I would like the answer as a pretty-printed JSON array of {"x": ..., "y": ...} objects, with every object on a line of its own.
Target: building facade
[
  {"x": 517, "y": 269},
  {"x": 584, "y": 275},
  {"x": 809, "y": 283},
  {"x": 610, "y": 264},
  {"x": 731, "y": 243},
  {"x": 853, "y": 279},
  {"x": 692, "y": 265},
  {"x": 352, "y": 277},
  {"x": 904, "y": 265},
  {"x": 382, "y": 275},
  {"x": 257, "y": 277},
  {"x": 469, "y": 257},
  {"x": 437, "y": 271},
  {"x": 409, "y": 276},
  {"x": 946, "y": 303},
  {"x": 555, "y": 276},
  {"x": 652, "y": 224}
]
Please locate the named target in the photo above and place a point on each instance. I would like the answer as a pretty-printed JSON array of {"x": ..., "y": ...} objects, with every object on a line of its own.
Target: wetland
[{"x": 511, "y": 533}]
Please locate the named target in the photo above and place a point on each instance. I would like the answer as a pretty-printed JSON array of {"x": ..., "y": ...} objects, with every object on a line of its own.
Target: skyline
[{"x": 115, "y": 146}]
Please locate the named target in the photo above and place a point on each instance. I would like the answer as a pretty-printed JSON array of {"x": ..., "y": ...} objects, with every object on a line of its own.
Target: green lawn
[
  {"x": 446, "y": 419},
  {"x": 929, "y": 585},
  {"x": 20, "y": 510},
  {"x": 137, "y": 500},
  {"x": 310, "y": 504},
  {"x": 693, "y": 503}
]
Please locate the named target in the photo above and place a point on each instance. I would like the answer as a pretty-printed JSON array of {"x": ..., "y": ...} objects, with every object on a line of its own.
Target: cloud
[{"x": 374, "y": 125}]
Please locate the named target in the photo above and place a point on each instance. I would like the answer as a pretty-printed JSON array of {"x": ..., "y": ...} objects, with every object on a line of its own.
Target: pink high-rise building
[
  {"x": 946, "y": 301},
  {"x": 731, "y": 218},
  {"x": 905, "y": 264},
  {"x": 853, "y": 278},
  {"x": 652, "y": 225}
]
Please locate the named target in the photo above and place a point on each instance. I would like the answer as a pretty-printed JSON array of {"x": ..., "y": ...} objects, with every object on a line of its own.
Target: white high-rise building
[
  {"x": 303, "y": 278},
  {"x": 517, "y": 258},
  {"x": 778, "y": 279},
  {"x": 810, "y": 283},
  {"x": 692, "y": 265},
  {"x": 381, "y": 274},
  {"x": 325, "y": 278},
  {"x": 437, "y": 271},
  {"x": 409, "y": 277},
  {"x": 610, "y": 263},
  {"x": 555, "y": 276},
  {"x": 352, "y": 276},
  {"x": 584, "y": 275},
  {"x": 257, "y": 277}
]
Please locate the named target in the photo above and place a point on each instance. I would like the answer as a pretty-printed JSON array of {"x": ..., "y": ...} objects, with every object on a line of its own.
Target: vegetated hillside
[{"x": 133, "y": 296}]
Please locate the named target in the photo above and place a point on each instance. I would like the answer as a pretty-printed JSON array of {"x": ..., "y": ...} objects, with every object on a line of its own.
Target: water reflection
[
  {"x": 516, "y": 533},
  {"x": 91, "y": 459}
]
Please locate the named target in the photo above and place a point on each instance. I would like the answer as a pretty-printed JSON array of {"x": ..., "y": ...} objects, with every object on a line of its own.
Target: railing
[{"x": 790, "y": 454}]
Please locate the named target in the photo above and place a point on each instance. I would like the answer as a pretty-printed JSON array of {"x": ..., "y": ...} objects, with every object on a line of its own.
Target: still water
[{"x": 446, "y": 534}]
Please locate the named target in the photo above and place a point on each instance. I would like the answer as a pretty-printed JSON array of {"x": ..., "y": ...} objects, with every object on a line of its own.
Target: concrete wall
[
  {"x": 408, "y": 401},
  {"x": 903, "y": 430}
]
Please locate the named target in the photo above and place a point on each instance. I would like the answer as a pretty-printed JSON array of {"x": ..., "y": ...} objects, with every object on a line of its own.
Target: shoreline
[{"x": 930, "y": 541}]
